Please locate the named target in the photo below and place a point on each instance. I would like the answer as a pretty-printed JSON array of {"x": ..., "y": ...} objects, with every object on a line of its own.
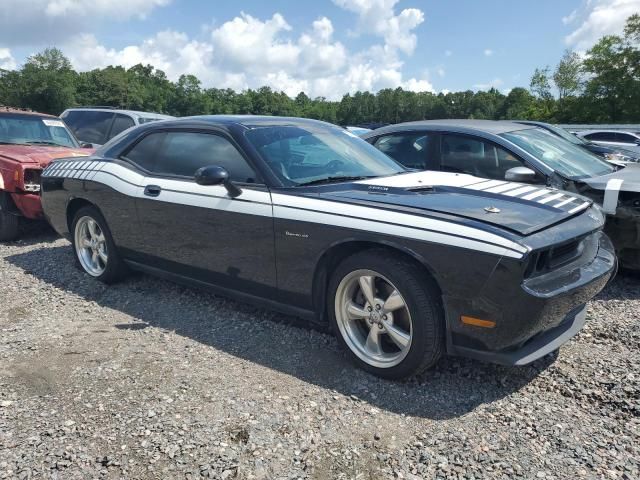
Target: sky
[{"x": 323, "y": 47}]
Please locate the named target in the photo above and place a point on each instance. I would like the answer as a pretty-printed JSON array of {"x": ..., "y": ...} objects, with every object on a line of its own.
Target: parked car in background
[
  {"x": 358, "y": 130},
  {"x": 97, "y": 125},
  {"x": 28, "y": 142},
  {"x": 507, "y": 151},
  {"x": 613, "y": 138},
  {"x": 611, "y": 154},
  {"x": 403, "y": 265}
]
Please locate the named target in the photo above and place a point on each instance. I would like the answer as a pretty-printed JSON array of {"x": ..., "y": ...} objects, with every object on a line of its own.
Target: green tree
[{"x": 47, "y": 82}]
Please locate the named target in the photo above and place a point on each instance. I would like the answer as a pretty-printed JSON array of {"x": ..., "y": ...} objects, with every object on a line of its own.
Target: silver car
[
  {"x": 97, "y": 125},
  {"x": 613, "y": 138}
]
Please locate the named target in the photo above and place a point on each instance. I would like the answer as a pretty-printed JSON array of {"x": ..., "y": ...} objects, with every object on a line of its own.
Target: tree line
[{"x": 601, "y": 86}]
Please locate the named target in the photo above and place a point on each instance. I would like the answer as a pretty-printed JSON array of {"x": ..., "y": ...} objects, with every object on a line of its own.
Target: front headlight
[{"x": 32, "y": 180}]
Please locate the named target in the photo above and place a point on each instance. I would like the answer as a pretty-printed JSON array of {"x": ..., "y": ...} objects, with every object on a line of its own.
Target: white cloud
[
  {"x": 488, "y": 52},
  {"x": 7, "y": 62},
  {"x": 597, "y": 18},
  {"x": 448, "y": 53},
  {"x": 378, "y": 17},
  {"x": 98, "y": 8},
  {"x": 440, "y": 71},
  {"x": 169, "y": 51},
  {"x": 495, "y": 83},
  {"x": 36, "y": 22},
  {"x": 248, "y": 52}
]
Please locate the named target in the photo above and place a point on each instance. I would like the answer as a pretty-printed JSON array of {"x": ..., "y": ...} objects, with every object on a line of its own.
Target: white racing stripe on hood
[{"x": 539, "y": 194}]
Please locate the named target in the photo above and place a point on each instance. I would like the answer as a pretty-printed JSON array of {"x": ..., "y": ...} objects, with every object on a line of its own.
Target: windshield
[
  {"x": 312, "y": 154},
  {"x": 567, "y": 159},
  {"x": 34, "y": 130}
]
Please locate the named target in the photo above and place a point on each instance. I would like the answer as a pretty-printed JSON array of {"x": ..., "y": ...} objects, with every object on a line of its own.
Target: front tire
[
  {"x": 94, "y": 248},
  {"x": 386, "y": 312}
]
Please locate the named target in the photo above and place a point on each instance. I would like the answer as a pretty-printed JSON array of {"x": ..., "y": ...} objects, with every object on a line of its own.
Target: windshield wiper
[
  {"x": 43, "y": 142},
  {"x": 336, "y": 179}
]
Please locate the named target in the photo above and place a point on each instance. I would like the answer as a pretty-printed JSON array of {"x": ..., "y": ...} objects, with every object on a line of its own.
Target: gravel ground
[{"x": 147, "y": 379}]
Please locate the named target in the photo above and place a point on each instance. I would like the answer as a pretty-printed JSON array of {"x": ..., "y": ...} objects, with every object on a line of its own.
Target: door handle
[{"x": 152, "y": 190}]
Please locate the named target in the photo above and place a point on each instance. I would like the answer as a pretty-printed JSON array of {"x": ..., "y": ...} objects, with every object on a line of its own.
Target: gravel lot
[{"x": 147, "y": 379}]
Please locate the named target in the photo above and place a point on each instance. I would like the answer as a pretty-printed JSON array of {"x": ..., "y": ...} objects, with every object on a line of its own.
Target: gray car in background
[
  {"x": 97, "y": 125},
  {"x": 613, "y": 138},
  {"x": 511, "y": 152}
]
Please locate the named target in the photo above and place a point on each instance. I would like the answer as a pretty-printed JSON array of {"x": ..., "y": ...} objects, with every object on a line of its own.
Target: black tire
[
  {"x": 115, "y": 268},
  {"x": 421, "y": 297},
  {"x": 9, "y": 226}
]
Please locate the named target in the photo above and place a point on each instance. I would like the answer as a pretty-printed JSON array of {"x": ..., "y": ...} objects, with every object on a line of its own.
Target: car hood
[
  {"x": 40, "y": 154},
  {"x": 521, "y": 208},
  {"x": 626, "y": 179}
]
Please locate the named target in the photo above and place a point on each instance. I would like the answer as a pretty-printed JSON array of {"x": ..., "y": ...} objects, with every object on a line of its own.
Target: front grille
[{"x": 549, "y": 259}]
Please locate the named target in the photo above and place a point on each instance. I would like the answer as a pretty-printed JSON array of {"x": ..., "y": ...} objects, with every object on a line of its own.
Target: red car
[{"x": 28, "y": 142}]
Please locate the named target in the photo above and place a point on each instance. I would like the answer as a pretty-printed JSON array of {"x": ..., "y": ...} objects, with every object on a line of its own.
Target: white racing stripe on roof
[
  {"x": 551, "y": 198},
  {"x": 382, "y": 215}
]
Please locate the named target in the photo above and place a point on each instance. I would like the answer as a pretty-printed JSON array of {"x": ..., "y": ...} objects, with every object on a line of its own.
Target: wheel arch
[
  {"x": 336, "y": 253},
  {"x": 73, "y": 206}
]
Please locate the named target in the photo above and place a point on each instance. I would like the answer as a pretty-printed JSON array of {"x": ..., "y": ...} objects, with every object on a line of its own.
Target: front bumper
[
  {"x": 532, "y": 317},
  {"x": 28, "y": 204}
]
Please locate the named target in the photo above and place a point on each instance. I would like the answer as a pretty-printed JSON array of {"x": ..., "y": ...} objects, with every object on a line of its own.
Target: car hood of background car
[
  {"x": 629, "y": 176},
  {"x": 521, "y": 208},
  {"x": 40, "y": 154}
]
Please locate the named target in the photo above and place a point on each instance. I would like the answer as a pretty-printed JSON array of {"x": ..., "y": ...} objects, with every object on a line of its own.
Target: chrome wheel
[
  {"x": 91, "y": 246},
  {"x": 373, "y": 318}
]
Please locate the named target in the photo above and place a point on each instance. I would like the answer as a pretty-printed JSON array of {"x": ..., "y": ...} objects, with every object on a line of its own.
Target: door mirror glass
[{"x": 520, "y": 174}]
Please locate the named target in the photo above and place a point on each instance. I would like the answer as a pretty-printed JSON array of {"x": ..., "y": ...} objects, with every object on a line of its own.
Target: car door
[
  {"x": 476, "y": 156},
  {"x": 200, "y": 231},
  {"x": 416, "y": 150}
]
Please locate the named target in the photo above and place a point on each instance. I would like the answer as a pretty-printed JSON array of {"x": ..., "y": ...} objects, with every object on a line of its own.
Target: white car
[{"x": 614, "y": 138}]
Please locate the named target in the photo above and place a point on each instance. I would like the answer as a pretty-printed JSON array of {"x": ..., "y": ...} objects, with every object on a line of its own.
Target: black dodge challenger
[{"x": 304, "y": 217}]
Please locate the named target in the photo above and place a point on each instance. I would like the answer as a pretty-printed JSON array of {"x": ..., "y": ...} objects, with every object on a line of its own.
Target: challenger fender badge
[{"x": 491, "y": 209}]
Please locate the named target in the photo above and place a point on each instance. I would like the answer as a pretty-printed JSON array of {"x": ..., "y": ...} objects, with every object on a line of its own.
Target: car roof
[
  {"x": 135, "y": 113},
  {"x": 585, "y": 132},
  {"x": 247, "y": 121},
  {"x": 461, "y": 125},
  {"x": 24, "y": 111}
]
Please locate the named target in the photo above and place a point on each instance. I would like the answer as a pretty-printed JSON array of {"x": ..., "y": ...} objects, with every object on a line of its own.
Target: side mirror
[
  {"x": 214, "y": 175},
  {"x": 520, "y": 174},
  {"x": 86, "y": 145}
]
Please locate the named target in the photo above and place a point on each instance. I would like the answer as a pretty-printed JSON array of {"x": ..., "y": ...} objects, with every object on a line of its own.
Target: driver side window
[
  {"x": 465, "y": 154},
  {"x": 182, "y": 153}
]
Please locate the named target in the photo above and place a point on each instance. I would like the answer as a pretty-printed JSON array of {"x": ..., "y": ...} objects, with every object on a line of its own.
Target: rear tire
[
  {"x": 9, "y": 226},
  {"x": 386, "y": 312},
  {"x": 94, "y": 248}
]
